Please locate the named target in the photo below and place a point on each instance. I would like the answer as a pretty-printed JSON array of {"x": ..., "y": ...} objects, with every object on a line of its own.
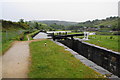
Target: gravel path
[{"x": 16, "y": 60}]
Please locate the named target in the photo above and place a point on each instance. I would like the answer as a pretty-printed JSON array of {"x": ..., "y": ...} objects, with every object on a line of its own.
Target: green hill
[
  {"x": 64, "y": 23},
  {"x": 110, "y": 24},
  {"x": 9, "y": 25}
]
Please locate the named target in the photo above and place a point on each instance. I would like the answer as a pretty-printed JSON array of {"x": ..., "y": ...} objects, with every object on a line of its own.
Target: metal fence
[{"x": 10, "y": 35}]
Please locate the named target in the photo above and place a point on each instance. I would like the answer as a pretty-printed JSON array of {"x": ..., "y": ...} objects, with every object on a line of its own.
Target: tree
[
  {"x": 21, "y": 20},
  {"x": 36, "y": 25},
  {"x": 101, "y": 26}
]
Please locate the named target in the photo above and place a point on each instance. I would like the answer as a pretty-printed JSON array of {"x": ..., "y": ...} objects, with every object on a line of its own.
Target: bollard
[{"x": 45, "y": 44}]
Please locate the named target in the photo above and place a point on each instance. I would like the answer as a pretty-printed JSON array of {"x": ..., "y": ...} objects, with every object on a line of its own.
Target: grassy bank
[
  {"x": 8, "y": 37},
  {"x": 5, "y": 47},
  {"x": 13, "y": 36},
  {"x": 107, "y": 41},
  {"x": 75, "y": 33},
  {"x": 33, "y": 34},
  {"x": 52, "y": 61}
]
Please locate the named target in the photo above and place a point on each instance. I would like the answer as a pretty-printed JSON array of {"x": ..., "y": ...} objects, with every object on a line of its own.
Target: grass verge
[
  {"x": 107, "y": 41},
  {"x": 5, "y": 47},
  {"x": 32, "y": 34},
  {"x": 7, "y": 44},
  {"x": 111, "y": 42},
  {"x": 52, "y": 61}
]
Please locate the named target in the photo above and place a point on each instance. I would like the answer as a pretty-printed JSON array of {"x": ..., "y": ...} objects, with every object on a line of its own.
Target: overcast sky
[{"x": 67, "y": 10}]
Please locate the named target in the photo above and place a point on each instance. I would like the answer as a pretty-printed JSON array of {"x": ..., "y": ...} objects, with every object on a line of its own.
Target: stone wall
[{"x": 108, "y": 59}]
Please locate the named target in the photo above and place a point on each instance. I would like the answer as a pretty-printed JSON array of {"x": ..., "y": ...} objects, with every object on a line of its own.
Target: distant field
[
  {"x": 107, "y": 41},
  {"x": 76, "y": 33},
  {"x": 52, "y": 61}
]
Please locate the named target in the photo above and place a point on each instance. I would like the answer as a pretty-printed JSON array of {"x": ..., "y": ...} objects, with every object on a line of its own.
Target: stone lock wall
[{"x": 108, "y": 59}]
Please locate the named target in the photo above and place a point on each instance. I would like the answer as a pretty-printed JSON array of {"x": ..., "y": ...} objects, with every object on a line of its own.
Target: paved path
[
  {"x": 41, "y": 35},
  {"x": 15, "y": 61}
]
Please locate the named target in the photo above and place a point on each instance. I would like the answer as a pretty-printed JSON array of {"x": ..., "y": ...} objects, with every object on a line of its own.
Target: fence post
[{"x": 6, "y": 37}]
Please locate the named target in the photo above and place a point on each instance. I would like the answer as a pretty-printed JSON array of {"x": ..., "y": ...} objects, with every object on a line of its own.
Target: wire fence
[{"x": 10, "y": 35}]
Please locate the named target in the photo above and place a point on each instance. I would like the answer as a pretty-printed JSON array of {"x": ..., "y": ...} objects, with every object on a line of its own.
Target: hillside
[
  {"x": 110, "y": 23},
  {"x": 38, "y": 25},
  {"x": 9, "y": 25},
  {"x": 103, "y": 25},
  {"x": 64, "y": 23}
]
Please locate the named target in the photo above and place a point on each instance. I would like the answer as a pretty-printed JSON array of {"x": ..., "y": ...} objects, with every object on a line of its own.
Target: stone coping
[{"x": 89, "y": 63}]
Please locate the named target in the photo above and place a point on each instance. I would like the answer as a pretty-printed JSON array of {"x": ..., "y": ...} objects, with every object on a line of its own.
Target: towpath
[{"x": 16, "y": 60}]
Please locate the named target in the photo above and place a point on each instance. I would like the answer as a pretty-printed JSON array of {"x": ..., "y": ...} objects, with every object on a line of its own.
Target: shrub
[{"x": 111, "y": 37}]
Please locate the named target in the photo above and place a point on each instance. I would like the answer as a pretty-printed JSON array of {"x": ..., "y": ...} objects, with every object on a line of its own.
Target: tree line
[{"x": 108, "y": 24}]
